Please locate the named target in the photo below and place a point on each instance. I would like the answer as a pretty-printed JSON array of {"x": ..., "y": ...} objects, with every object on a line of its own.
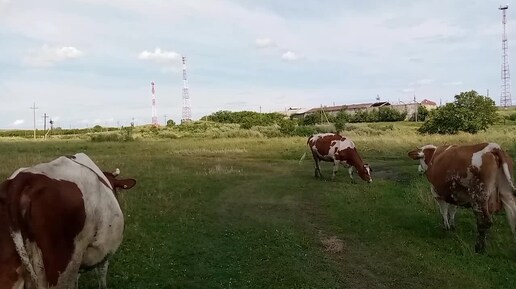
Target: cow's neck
[{"x": 355, "y": 161}]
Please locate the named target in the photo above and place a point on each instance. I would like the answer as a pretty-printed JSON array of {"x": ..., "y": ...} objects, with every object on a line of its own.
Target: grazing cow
[
  {"x": 330, "y": 147},
  {"x": 57, "y": 218},
  {"x": 477, "y": 176}
]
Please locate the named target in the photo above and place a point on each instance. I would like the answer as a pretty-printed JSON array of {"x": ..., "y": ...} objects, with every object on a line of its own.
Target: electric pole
[
  {"x": 34, "y": 110},
  {"x": 45, "y": 116}
]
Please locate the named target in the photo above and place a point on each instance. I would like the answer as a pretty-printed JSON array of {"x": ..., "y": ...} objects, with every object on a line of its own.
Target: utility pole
[
  {"x": 165, "y": 117},
  {"x": 45, "y": 116},
  {"x": 34, "y": 110}
]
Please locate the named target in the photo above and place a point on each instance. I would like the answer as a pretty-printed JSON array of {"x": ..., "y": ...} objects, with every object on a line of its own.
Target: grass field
[{"x": 245, "y": 213}]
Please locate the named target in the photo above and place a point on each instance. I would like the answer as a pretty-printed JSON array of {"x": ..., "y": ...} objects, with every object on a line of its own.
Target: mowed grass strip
[{"x": 244, "y": 213}]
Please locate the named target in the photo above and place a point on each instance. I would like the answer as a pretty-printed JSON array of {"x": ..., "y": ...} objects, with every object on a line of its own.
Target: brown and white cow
[
  {"x": 56, "y": 218},
  {"x": 477, "y": 176},
  {"x": 330, "y": 147}
]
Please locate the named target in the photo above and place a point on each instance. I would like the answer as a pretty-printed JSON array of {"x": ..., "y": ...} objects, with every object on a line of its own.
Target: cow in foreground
[
  {"x": 477, "y": 176},
  {"x": 330, "y": 147},
  {"x": 57, "y": 218}
]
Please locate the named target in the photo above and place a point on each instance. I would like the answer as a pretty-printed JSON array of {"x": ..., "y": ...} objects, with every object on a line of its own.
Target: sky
[{"x": 91, "y": 62}]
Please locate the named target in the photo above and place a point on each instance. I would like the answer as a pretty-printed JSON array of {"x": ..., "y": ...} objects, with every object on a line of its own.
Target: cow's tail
[
  {"x": 505, "y": 167},
  {"x": 507, "y": 191},
  {"x": 24, "y": 256},
  {"x": 16, "y": 234},
  {"x": 303, "y": 157}
]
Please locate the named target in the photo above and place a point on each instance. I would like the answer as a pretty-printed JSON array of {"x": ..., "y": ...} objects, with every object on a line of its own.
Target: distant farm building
[{"x": 410, "y": 108}]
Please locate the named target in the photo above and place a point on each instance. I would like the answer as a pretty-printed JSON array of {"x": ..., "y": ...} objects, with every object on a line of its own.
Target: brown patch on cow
[
  {"x": 323, "y": 144},
  {"x": 49, "y": 212},
  {"x": 332, "y": 244}
]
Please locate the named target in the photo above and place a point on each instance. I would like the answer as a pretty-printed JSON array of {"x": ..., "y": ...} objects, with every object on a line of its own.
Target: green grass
[{"x": 244, "y": 213}]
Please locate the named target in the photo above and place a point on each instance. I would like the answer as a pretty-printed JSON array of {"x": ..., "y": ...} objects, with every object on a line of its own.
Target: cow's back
[
  {"x": 323, "y": 143},
  {"x": 454, "y": 170}
]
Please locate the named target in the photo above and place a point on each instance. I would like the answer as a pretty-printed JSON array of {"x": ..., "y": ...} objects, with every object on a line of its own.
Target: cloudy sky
[{"x": 87, "y": 62}]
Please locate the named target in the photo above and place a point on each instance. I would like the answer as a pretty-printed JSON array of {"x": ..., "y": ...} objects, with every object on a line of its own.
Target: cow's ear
[
  {"x": 415, "y": 154},
  {"x": 125, "y": 184}
]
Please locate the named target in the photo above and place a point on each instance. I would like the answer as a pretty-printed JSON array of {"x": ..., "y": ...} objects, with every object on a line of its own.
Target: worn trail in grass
[{"x": 246, "y": 214}]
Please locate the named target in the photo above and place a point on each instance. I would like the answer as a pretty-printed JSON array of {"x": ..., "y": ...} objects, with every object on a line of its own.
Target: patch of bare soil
[{"x": 332, "y": 244}]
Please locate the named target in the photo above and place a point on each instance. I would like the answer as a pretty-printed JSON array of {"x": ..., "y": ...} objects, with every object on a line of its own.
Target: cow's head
[
  {"x": 118, "y": 184},
  {"x": 365, "y": 173},
  {"x": 424, "y": 155}
]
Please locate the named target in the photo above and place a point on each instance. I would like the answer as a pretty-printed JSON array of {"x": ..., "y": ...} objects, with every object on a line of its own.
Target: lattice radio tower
[
  {"x": 505, "y": 95},
  {"x": 154, "y": 114},
  {"x": 187, "y": 111}
]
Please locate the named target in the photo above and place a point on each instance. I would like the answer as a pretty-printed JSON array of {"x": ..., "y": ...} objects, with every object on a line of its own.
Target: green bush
[
  {"x": 470, "y": 112},
  {"x": 110, "y": 137}
]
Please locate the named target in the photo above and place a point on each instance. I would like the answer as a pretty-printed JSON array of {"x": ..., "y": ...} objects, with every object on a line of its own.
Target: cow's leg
[
  {"x": 335, "y": 168},
  {"x": 452, "y": 209},
  {"x": 443, "y": 208},
  {"x": 101, "y": 272},
  {"x": 350, "y": 172},
  {"x": 484, "y": 223},
  {"x": 317, "y": 166}
]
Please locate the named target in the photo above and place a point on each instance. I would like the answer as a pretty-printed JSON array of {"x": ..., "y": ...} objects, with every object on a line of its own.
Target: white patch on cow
[
  {"x": 346, "y": 144},
  {"x": 84, "y": 160},
  {"x": 476, "y": 159},
  {"x": 350, "y": 171},
  {"x": 423, "y": 167}
]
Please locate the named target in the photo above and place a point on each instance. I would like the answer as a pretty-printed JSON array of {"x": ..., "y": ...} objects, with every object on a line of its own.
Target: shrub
[
  {"x": 470, "y": 112},
  {"x": 110, "y": 136}
]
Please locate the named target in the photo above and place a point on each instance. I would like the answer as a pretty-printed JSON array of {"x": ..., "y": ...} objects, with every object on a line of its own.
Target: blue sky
[{"x": 87, "y": 62}]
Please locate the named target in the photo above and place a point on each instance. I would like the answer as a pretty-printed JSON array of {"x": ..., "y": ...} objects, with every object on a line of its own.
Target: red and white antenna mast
[
  {"x": 154, "y": 114},
  {"x": 187, "y": 111}
]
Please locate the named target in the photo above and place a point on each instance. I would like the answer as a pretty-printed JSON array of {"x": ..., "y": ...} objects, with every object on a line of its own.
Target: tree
[
  {"x": 470, "y": 112},
  {"x": 310, "y": 119},
  {"x": 341, "y": 119},
  {"x": 171, "y": 123},
  {"x": 422, "y": 114}
]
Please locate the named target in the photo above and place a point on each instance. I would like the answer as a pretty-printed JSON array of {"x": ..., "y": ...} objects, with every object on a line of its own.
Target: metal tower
[
  {"x": 187, "y": 112},
  {"x": 154, "y": 114},
  {"x": 505, "y": 95}
]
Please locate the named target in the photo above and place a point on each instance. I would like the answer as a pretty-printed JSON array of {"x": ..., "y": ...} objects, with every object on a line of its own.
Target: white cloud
[
  {"x": 290, "y": 56},
  {"x": 264, "y": 43},
  {"x": 159, "y": 56},
  {"x": 47, "y": 56},
  {"x": 18, "y": 122},
  {"x": 410, "y": 89}
]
